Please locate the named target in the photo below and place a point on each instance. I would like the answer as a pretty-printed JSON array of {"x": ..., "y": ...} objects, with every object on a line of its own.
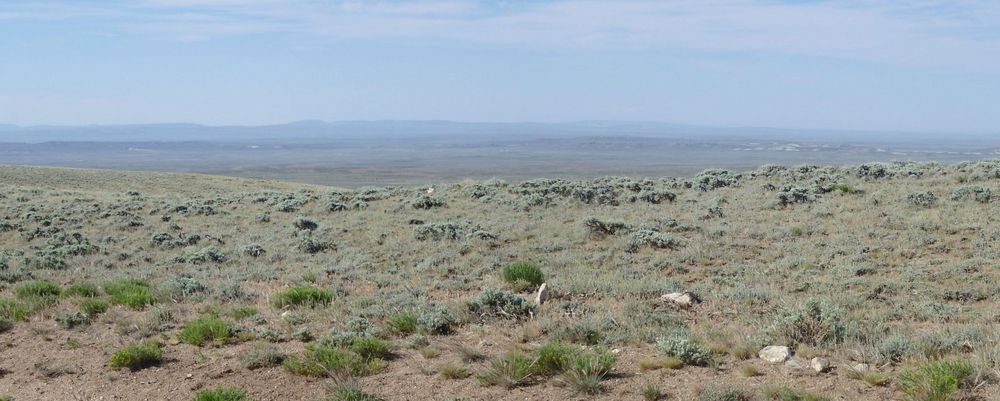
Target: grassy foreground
[{"x": 230, "y": 289}]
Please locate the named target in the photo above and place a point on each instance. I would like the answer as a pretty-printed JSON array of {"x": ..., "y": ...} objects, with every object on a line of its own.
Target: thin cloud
[{"x": 922, "y": 33}]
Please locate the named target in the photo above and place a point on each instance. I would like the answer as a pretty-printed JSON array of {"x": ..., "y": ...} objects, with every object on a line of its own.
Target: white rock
[
  {"x": 861, "y": 367},
  {"x": 820, "y": 365},
  {"x": 775, "y": 353},
  {"x": 683, "y": 299},
  {"x": 544, "y": 293}
]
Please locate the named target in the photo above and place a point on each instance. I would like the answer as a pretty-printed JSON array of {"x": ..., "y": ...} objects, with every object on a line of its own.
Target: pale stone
[
  {"x": 820, "y": 365},
  {"x": 775, "y": 353},
  {"x": 683, "y": 299},
  {"x": 544, "y": 293}
]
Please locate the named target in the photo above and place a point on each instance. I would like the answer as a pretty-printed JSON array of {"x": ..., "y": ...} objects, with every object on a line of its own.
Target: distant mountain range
[{"x": 318, "y": 131}]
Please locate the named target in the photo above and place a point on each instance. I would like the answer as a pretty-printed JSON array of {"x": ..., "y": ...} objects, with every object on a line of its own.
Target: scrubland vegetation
[{"x": 880, "y": 279}]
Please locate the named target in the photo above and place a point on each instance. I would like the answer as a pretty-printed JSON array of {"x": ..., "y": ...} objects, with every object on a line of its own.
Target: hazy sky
[{"x": 908, "y": 65}]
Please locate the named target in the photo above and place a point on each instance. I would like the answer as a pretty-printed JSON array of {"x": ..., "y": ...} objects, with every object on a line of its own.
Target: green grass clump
[
  {"x": 874, "y": 379},
  {"x": 137, "y": 356},
  {"x": 37, "y": 289},
  {"x": 221, "y": 394},
  {"x": 405, "y": 322},
  {"x": 554, "y": 357},
  {"x": 321, "y": 360},
  {"x": 93, "y": 307},
  {"x": 302, "y": 296},
  {"x": 935, "y": 381},
  {"x": 513, "y": 370},
  {"x": 349, "y": 392},
  {"x": 727, "y": 394},
  {"x": 84, "y": 290},
  {"x": 651, "y": 392},
  {"x": 13, "y": 310},
  {"x": 371, "y": 347},
  {"x": 243, "y": 312},
  {"x": 206, "y": 329},
  {"x": 786, "y": 394},
  {"x": 135, "y": 294},
  {"x": 523, "y": 275},
  {"x": 586, "y": 372},
  {"x": 453, "y": 371}
]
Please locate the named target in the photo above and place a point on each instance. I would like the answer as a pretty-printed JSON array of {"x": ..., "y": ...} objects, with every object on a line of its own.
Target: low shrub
[
  {"x": 598, "y": 227},
  {"x": 436, "y": 320},
  {"x": 44, "y": 261},
  {"x": 493, "y": 303},
  {"x": 203, "y": 255},
  {"x": 303, "y": 223},
  {"x": 262, "y": 356},
  {"x": 184, "y": 287},
  {"x": 680, "y": 346},
  {"x": 253, "y": 250},
  {"x": 311, "y": 245},
  {"x": 922, "y": 198},
  {"x": 813, "y": 323},
  {"x": 73, "y": 319},
  {"x": 426, "y": 202},
  {"x": 978, "y": 193},
  {"x": 654, "y": 239}
]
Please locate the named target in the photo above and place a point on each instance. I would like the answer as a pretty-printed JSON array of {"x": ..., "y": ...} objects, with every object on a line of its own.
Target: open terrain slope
[{"x": 147, "y": 286}]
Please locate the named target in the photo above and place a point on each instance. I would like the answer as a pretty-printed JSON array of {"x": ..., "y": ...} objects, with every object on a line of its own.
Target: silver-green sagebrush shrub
[
  {"x": 814, "y": 322},
  {"x": 493, "y": 303},
  {"x": 679, "y": 345},
  {"x": 978, "y": 193},
  {"x": 922, "y": 198}
]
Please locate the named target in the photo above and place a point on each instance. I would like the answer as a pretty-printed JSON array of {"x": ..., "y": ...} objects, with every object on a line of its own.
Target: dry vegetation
[{"x": 158, "y": 286}]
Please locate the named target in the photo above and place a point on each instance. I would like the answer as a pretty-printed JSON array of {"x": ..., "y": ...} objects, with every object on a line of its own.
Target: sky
[{"x": 920, "y": 65}]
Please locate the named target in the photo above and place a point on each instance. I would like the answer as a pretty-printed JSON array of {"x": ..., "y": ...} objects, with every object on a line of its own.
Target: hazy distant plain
[{"x": 379, "y": 154}]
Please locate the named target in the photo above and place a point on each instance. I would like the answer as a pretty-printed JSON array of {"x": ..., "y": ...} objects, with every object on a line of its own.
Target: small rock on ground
[{"x": 775, "y": 353}]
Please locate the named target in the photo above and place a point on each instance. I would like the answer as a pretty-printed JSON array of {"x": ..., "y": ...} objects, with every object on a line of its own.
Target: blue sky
[{"x": 890, "y": 65}]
